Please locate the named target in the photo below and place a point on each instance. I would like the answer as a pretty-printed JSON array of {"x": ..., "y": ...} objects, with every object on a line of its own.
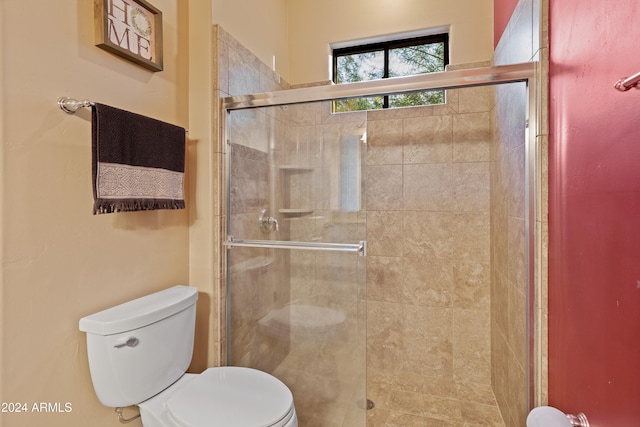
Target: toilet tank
[{"x": 139, "y": 348}]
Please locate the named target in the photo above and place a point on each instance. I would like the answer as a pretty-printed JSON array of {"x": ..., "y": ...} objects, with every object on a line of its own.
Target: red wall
[
  {"x": 502, "y": 11},
  {"x": 594, "y": 211}
]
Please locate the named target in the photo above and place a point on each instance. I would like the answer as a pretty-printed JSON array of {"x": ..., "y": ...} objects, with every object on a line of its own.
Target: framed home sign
[{"x": 131, "y": 29}]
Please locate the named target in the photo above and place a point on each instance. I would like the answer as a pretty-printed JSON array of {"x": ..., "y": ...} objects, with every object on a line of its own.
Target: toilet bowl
[{"x": 139, "y": 352}]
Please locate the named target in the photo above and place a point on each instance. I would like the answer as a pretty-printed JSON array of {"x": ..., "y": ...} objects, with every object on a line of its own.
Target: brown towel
[{"x": 138, "y": 162}]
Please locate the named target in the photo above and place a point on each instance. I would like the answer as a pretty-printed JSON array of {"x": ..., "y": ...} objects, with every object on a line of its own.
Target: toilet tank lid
[{"x": 140, "y": 312}]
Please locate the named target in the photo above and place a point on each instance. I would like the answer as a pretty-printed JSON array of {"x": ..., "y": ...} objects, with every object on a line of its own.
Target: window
[{"x": 395, "y": 58}]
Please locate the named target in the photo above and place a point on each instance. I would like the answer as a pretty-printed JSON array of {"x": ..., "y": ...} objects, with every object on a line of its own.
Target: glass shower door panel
[{"x": 295, "y": 179}]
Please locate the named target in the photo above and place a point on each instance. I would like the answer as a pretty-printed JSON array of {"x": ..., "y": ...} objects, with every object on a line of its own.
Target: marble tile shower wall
[
  {"x": 314, "y": 144},
  {"x": 326, "y": 368},
  {"x": 508, "y": 260},
  {"x": 258, "y": 277},
  {"x": 428, "y": 263}
]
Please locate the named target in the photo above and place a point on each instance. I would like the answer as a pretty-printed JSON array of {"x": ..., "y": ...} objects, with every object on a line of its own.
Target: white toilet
[
  {"x": 548, "y": 416},
  {"x": 139, "y": 352}
]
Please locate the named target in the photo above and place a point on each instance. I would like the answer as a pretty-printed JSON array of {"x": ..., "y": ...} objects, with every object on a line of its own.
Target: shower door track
[
  {"x": 395, "y": 85},
  {"x": 360, "y": 247}
]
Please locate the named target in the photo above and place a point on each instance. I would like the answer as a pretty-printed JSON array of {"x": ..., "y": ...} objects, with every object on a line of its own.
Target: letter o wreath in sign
[{"x": 138, "y": 17}]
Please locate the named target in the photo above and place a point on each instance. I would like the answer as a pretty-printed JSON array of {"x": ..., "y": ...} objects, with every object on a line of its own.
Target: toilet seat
[{"x": 231, "y": 397}]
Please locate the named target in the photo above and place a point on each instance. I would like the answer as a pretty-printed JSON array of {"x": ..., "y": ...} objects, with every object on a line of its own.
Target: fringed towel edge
[{"x": 104, "y": 206}]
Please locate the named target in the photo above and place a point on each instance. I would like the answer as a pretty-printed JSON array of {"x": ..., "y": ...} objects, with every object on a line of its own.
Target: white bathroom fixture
[
  {"x": 547, "y": 416},
  {"x": 139, "y": 352}
]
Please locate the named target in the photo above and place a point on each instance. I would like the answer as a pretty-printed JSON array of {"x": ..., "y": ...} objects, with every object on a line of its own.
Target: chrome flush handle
[{"x": 127, "y": 342}]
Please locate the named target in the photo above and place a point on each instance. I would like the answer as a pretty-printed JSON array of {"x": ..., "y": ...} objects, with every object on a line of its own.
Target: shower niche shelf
[
  {"x": 295, "y": 168},
  {"x": 288, "y": 173},
  {"x": 292, "y": 212}
]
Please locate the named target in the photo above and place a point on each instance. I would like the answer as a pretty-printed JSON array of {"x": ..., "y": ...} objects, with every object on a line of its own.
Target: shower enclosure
[{"x": 386, "y": 257}]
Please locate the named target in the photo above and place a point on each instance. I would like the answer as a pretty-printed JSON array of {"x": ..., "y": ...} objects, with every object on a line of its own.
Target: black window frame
[{"x": 386, "y": 46}]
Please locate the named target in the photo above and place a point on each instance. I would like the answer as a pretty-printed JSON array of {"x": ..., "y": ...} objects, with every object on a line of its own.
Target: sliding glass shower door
[{"x": 295, "y": 271}]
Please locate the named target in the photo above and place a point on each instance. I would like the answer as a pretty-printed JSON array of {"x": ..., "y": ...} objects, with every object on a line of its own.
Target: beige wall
[
  {"x": 204, "y": 173},
  {"x": 299, "y": 32},
  {"x": 60, "y": 262},
  {"x": 260, "y": 25},
  {"x": 314, "y": 25}
]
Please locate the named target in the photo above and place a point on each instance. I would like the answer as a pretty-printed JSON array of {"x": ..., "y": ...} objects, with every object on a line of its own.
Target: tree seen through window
[{"x": 391, "y": 59}]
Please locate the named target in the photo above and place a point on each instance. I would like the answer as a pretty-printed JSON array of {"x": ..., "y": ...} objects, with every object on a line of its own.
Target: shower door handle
[{"x": 360, "y": 248}]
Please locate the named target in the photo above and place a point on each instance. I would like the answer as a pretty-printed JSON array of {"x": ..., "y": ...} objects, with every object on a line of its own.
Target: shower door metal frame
[{"x": 486, "y": 76}]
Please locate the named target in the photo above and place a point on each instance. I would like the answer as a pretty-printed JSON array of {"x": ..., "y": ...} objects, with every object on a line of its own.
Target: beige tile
[
  {"x": 246, "y": 73},
  {"x": 386, "y": 329},
  {"x": 472, "y": 127},
  {"x": 395, "y": 419},
  {"x": 499, "y": 242},
  {"x": 384, "y": 279},
  {"x": 377, "y": 418},
  {"x": 472, "y": 151},
  {"x": 427, "y": 187},
  {"x": 517, "y": 391},
  {"x": 428, "y": 340},
  {"x": 427, "y": 152},
  {"x": 428, "y": 234},
  {"x": 517, "y": 263},
  {"x": 471, "y": 285},
  {"x": 479, "y": 415},
  {"x": 475, "y": 99},
  {"x": 384, "y": 187},
  {"x": 470, "y": 236},
  {"x": 384, "y": 132},
  {"x": 428, "y": 139},
  {"x": 440, "y": 408},
  {"x": 303, "y": 114},
  {"x": 380, "y": 357},
  {"x": 470, "y": 189},
  {"x": 405, "y": 402},
  {"x": 475, "y": 393},
  {"x": 384, "y": 154},
  {"x": 516, "y": 182},
  {"x": 472, "y": 346},
  {"x": 500, "y": 302},
  {"x": 383, "y": 233},
  {"x": 500, "y": 367},
  {"x": 433, "y": 386},
  {"x": 517, "y": 332},
  {"x": 427, "y": 282}
]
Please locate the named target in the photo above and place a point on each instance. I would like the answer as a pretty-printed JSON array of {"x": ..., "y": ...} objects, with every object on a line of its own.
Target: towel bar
[
  {"x": 71, "y": 105},
  {"x": 627, "y": 83}
]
